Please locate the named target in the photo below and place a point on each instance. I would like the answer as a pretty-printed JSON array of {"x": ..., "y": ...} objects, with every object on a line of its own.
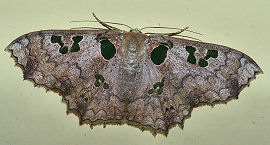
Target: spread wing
[
  {"x": 191, "y": 74},
  {"x": 71, "y": 63}
]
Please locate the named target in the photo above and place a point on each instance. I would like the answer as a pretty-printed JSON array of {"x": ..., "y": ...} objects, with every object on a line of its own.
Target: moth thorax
[
  {"x": 129, "y": 68},
  {"x": 130, "y": 63}
]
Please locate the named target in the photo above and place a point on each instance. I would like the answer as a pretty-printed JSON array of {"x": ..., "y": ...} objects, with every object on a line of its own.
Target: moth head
[{"x": 136, "y": 30}]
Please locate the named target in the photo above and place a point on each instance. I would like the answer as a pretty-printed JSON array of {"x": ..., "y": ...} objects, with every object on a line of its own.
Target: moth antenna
[
  {"x": 176, "y": 35},
  {"x": 172, "y": 34},
  {"x": 104, "y": 24},
  {"x": 119, "y": 24},
  {"x": 177, "y": 32},
  {"x": 194, "y": 32},
  {"x": 160, "y": 27},
  {"x": 188, "y": 37},
  {"x": 86, "y": 28}
]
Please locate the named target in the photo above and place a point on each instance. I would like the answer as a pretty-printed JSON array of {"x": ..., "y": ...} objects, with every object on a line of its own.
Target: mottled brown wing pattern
[
  {"x": 71, "y": 74},
  {"x": 188, "y": 82},
  {"x": 150, "y": 82}
]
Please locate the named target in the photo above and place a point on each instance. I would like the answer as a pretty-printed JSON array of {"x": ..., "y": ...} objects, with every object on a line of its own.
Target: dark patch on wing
[
  {"x": 30, "y": 66},
  {"x": 234, "y": 87}
]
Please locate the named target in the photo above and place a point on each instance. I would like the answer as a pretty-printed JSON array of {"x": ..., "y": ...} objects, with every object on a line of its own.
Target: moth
[{"x": 152, "y": 82}]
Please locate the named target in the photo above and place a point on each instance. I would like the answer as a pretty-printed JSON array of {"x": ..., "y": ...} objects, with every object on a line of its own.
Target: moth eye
[
  {"x": 159, "y": 54},
  {"x": 107, "y": 49}
]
